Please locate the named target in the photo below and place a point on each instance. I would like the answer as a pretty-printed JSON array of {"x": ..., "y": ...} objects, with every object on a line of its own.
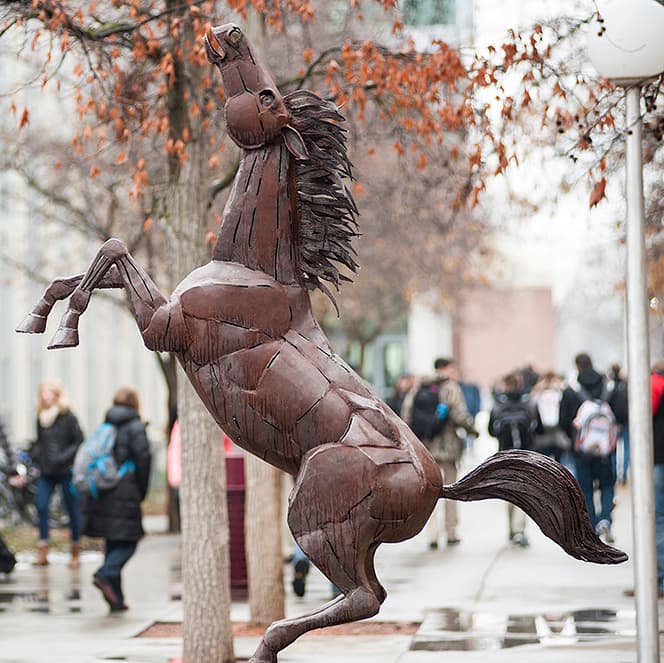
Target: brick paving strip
[{"x": 244, "y": 629}]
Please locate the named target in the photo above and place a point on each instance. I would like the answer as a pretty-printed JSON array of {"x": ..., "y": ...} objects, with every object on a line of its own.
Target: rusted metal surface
[{"x": 243, "y": 330}]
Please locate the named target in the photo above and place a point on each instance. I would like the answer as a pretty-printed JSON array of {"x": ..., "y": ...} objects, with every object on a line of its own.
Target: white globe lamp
[{"x": 626, "y": 40}]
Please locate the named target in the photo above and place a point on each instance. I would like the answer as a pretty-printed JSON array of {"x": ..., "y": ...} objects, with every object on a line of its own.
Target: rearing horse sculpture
[{"x": 243, "y": 330}]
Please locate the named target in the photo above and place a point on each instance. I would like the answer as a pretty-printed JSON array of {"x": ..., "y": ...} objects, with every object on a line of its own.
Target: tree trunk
[
  {"x": 208, "y": 634},
  {"x": 169, "y": 368},
  {"x": 263, "y": 548}
]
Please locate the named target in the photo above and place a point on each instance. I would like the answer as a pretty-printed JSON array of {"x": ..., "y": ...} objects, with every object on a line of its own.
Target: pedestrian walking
[
  {"x": 58, "y": 438},
  {"x": 548, "y": 397},
  {"x": 473, "y": 400},
  {"x": 401, "y": 387},
  {"x": 617, "y": 387},
  {"x": 594, "y": 444},
  {"x": 435, "y": 410},
  {"x": 512, "y": 421},
  {"x": 115, "y": 514}
]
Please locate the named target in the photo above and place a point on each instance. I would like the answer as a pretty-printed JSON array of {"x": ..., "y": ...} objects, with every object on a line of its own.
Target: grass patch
[{"x": 24, "y": 538}]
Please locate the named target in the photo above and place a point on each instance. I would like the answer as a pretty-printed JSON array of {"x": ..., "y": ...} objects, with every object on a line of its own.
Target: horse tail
[{"x": 543, "y": 489}]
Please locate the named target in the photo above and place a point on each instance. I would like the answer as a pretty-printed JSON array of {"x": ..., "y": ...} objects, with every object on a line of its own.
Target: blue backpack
[{"x": 95, "y": 467}]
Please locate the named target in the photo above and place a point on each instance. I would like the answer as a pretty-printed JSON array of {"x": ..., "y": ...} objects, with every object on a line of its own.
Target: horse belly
[{"x": 234, "y": 412}]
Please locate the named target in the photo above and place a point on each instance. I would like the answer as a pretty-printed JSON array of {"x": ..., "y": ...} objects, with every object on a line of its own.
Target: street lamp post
[{"x": 626, "y": 47}]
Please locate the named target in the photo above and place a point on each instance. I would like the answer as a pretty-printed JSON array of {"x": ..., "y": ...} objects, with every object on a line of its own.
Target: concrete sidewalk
[{"x": 483, "y": 599}]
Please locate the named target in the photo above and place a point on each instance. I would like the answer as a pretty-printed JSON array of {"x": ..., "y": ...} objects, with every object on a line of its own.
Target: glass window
[{"x": 428, "y": 12}]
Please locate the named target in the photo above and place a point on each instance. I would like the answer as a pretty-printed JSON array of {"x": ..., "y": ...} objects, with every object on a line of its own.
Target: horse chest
[{"x": 218, "y": 309}]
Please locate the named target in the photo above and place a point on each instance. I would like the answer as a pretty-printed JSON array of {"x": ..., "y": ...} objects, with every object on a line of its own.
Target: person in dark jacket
[
  {"x": 116, "y": 514},
  {"x": 402, "y": 386},
  {"x": 618, "y": 400},
  {"x": 512, "y": 422},
  {"x": 594, "y": 471},
  {"x": 58, "y": 438}
]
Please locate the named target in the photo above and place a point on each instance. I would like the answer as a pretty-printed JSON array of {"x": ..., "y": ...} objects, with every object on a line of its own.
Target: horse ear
[{"x": 295, "y": 142}]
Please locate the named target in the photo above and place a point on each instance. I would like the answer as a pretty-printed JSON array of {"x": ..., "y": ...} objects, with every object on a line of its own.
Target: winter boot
[
  {"x": 42, "y": 555},
  {"x": 75, "y": 559}
]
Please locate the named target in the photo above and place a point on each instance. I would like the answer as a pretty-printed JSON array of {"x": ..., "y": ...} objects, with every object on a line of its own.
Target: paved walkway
[{"x": 483, "y": 599}]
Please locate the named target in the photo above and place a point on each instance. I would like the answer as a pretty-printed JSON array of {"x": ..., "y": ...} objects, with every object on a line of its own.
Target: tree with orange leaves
[{"x": 146, "y": 101}]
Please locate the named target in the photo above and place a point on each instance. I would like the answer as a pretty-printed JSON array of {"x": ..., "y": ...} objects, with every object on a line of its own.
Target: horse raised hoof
[
  {"x": 65, "y": 337},
  {"x": 33, "y": 323}
]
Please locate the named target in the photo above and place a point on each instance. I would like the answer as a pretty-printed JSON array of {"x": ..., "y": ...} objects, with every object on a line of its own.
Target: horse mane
[{"x": 328, "y": 215}]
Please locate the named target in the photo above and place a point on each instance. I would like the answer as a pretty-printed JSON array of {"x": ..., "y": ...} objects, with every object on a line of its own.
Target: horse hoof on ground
[
  {"x": 64, "y": 338},
  {"x": 263, "y": 655},
  {"x": 32, "y": 324}
]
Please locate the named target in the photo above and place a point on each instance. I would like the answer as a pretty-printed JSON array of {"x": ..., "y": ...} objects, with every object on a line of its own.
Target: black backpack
[
  {"x": 425, "y": 422},
  {"x": 7, "y": 559},
  {"x": 618, "y": 402},
  {"x": 513, "y": 423}
]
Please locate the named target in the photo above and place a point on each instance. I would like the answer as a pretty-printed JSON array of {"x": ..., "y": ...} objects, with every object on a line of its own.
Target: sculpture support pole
[{"x": 640, "y": 413}]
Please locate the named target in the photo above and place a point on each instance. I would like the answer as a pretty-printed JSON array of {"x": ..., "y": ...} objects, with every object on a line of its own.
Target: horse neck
[{"x": 258, "y": 224}]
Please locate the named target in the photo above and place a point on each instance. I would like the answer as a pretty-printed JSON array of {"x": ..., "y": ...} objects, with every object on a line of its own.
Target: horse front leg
[
  {"x": 144, "y": 297},
  {"x": 60, "y": 288}
]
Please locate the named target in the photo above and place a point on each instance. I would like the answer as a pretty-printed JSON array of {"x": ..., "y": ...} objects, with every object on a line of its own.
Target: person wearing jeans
[
  {"x": 115, "y": 514},
  {"x": 597, "y": 468},
  {"x": 45, "y": 487},
  {"x": 116, "y": 555},
  {"x": 659, "y": 526},
  {"x": 58, "y": 438},
  {"x": 590, "y": 386}
]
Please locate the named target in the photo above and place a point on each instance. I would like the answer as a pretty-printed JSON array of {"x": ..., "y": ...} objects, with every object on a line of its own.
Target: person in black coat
[
  {"x": 593, "y": 470},
  {"x": 116, "y": 514},
  {"x": 58, "y": 438},
  {"x": 512, "y": 422}
]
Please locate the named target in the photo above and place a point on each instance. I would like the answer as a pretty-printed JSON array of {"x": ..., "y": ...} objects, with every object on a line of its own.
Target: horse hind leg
[{"x": 337, "y": 534}]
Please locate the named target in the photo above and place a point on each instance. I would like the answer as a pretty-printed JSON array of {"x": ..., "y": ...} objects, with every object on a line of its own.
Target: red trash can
[{"x": 235, "y": 498}]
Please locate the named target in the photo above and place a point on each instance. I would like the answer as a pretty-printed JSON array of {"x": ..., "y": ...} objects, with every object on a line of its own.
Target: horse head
[{"x": 256, "y": 114}]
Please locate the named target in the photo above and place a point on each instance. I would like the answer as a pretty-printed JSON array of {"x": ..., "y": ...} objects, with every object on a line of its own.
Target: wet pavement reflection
[
  {"x": 40, "y": 591},
  {"x": 450, "y": 629},
  {"x": 40, "y": 601}
]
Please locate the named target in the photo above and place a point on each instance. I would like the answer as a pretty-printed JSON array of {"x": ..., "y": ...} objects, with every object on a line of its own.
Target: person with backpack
[
  {"x": 595, "y": 437},
  {"x": 512, "y": 422},
  {"x": 548, "y": 396},
  {"x": 114, "y": 512},
  {"x": 435, "y": 409},
  {"x": 58, "y": 438}
]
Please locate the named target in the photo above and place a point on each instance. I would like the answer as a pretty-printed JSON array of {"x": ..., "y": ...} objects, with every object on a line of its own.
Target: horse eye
[
  {"x": 235, "y": 35},
  {"x": 266, "y": 98}
]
